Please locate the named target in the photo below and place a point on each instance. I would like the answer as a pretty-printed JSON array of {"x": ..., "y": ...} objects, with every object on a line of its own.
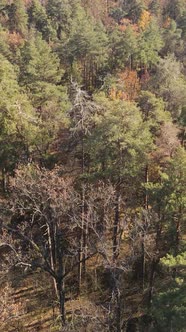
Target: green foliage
[
  {"x": 150, "y": 43},
  {"x": 40, "y": 73},
  {"x": 177, "y": 180},
  {"x": 124, "y": 47},
  {"x": 4, "y": 47},
  {"x": 170, "y": 84},
  {"x": 121, "y": 140},
  {"x": 18, "y": 18},
  {"x": 169, "y": 310},
  {"x": 153, "y": 109},
  {"x": 133, "y": 8},
  {"x": 171, "y": 261},
  {"x": 176, "y": 9},
  {"x": 168, "y": 195},
  {"x": 38, "y": 19},
  {"x": 68, "y": 69},
  {"x": 117, "y": 14},
  {"x": 38, "y": 62},
  {"x": 172, "y": 39},
  {"x": 169, "y": 306},
  {"x": 17, "y": 118},
  {"x": 84, "y": 44},
  {"x": 13, "y": 102},
  {"x": 60, "y": 13}
]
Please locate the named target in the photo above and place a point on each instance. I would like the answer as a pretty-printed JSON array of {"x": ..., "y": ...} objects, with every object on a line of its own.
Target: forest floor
[{"x": 29, "y": 304}]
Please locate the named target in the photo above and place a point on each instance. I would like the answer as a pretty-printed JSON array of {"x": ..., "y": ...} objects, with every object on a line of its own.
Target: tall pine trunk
[
  {"x": 116, "y": 225},
  {"x": 83, "y": 228}
]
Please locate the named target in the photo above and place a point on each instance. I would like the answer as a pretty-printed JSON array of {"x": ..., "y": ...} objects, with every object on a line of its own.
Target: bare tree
[{"x": 41, "y": 221}]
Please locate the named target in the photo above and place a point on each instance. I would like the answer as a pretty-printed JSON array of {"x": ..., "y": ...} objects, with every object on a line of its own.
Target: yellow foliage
[
  {"x": 144, "y": 19},
  {"x": 112, "y": 93}
]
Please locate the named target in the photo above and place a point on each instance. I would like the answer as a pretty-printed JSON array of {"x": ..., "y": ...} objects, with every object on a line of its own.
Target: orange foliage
[
  {"x": 144, "y": 20},
  {"x": 14, "y": 39},
  {"x": 130, "y": 84},
  {"x": 125, "y": 22},
  {"x": 167, "y": 22},
  {"x": 127, "y": 87}
]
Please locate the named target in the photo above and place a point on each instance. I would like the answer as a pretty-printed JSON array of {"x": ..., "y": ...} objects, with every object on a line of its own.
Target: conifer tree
[
  {"x": 40, "y": 74},
  {"x": 18, "y": 18},
  {"x": 123, "y": 48},
  {"x": 17, "y": 118},
  {"x": 38, "y": 19},
  {"x": 149, "y": 45}
]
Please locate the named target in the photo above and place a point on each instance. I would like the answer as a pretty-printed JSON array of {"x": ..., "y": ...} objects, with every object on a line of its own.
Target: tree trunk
[
  {"x": 116, "y": 226},
  {"x": 52, "y": 253},
  {"x": 83, "y": 236},
  {"x": 80, "y": 263},
  {"x": 4, "y": 182},
  {"x": 178, "y": 230},
  {"x": 146, "y": 204},
  {"x": 117, "y": 302},
  {"x": 118, "y": 311},
  {"x": 143, "y": 263},
  {"x": 60, "y": 272},
  {"x": 61, "y": 298},
  {"x": 151, "y": 281}
]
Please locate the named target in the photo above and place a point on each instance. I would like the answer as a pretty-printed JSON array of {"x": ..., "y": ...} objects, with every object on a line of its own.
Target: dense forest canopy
[{"x": 93, "y": 165}]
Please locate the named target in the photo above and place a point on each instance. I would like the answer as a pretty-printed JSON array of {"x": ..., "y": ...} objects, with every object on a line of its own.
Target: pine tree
[
  {"x": 123, "y": 48},
  {"x": 169, "y": 83},
  {"x": 38, "y": 62},
  {"x": 17, "y": 118},
  {"x": 39, "y": 20},
  {"x": 40, "y": 74},
  {"x": 18, "y": 18},
  {"x": 85, "y": 48},
  {"x": 149, "y": 45}
]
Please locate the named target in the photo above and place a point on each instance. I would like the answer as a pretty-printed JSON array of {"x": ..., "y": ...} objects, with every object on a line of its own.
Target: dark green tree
[
  {"x": 133, "y": 8},
  {"x": 118, "y": 149},
  {"x": 153, "y": 109},
  {"x": 172, "y": 37},
  {"x": 124, "y": 47},
  {"x": 39, "y": 20},
  {"x": 149, "y": 45},
  {"x": 168, "y": 306},
  {"x": 40, "y": 74},
  {"x": 17, "y": 118},
  {"x": 38, "y": 62},
  {"x": 60, "y": 13},
  {"x": 84, "y": 51},
  {"x": 175, "y": 9},
  {"x": 18, "y": 18}
]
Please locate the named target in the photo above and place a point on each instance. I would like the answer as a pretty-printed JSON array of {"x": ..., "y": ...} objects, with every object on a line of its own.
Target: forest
[{"x": 92, "y": 165}]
